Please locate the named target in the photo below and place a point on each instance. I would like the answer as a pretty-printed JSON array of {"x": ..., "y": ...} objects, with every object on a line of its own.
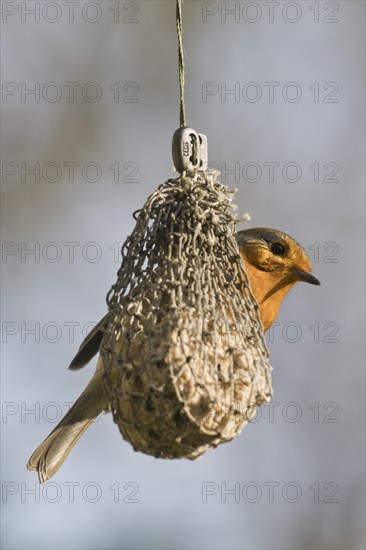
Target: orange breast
[{"x": 269, "y": 289}]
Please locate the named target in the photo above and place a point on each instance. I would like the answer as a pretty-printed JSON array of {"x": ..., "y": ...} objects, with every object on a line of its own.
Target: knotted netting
[{"x": 185, "y": 363}]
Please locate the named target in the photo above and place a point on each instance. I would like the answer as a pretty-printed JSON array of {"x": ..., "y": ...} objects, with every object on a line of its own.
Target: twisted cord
[{"x": 179, "y": 20}]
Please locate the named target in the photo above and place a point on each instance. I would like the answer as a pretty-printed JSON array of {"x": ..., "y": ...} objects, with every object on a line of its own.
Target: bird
[{"x": 274, "y": 263}]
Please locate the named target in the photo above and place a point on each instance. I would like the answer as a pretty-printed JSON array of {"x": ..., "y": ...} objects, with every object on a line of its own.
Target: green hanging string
[{"x": 182, "y": 115}]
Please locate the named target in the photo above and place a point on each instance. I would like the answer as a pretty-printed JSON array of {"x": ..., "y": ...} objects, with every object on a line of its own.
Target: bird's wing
[{"x": 90, "y": 345}]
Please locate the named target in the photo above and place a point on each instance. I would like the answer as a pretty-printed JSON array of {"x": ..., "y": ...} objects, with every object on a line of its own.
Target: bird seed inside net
[{"x": 185, "y": 361}]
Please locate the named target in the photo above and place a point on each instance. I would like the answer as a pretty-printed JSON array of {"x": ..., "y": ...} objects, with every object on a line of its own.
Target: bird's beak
[{"x": 305, "y": 276}]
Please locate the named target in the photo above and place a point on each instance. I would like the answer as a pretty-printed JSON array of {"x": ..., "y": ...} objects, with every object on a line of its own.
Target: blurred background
[{"x": 90, "y": 104}]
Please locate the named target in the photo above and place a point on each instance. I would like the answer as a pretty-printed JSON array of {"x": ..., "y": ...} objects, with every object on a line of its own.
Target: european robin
[{"x": 274, "y": 262}]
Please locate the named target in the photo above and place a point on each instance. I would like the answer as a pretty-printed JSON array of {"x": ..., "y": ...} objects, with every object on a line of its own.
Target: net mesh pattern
[{"x": 185, "y": 363}]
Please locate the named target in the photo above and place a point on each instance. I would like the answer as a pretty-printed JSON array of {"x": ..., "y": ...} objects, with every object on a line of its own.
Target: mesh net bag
[{"x": 185, "y": 361}]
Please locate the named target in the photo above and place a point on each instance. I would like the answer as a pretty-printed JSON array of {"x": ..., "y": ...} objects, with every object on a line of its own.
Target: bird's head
[{"x": 274, "y": 262}]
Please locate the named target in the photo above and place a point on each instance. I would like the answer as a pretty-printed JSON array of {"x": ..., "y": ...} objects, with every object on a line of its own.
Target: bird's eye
[{"x": 277, "y": 248}]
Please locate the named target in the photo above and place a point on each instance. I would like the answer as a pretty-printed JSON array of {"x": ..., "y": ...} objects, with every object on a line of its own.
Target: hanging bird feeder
[{"x": 185, "y": 361}]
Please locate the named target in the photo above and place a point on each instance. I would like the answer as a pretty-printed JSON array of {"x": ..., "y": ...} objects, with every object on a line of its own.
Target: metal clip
[{"x": 189, "y": 150}]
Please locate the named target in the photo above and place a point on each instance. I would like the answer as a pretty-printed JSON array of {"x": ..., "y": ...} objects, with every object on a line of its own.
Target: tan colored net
[{"x": 185, "y": 361}]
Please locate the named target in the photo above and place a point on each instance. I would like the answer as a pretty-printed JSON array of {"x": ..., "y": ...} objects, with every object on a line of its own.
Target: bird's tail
[{"x": 49, "y": 456}]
